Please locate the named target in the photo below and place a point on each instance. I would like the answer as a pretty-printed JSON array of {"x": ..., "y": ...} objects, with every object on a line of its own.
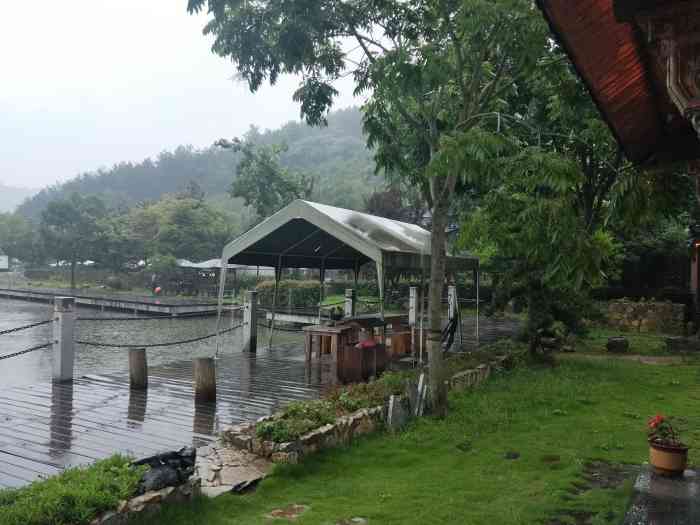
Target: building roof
[
  {"x": 628, "y": 87},
  {"x": 310, "y": 235}
]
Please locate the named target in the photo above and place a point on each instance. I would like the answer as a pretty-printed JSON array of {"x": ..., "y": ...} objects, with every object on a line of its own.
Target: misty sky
[{"x": 88, "y": 83}]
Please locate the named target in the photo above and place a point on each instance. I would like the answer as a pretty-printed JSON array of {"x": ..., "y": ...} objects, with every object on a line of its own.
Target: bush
[
  {"x": 302, "y": 417},
  {"x": 115, "y": 283},
  {"x": 296, "y": 420},
  {"x": 74, "y": 497}
]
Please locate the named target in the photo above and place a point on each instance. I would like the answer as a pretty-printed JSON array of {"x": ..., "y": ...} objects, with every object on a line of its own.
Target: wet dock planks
[{"x": 46, "y": 427}]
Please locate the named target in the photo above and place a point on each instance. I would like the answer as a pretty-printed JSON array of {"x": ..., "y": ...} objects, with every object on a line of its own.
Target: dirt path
[{"x": 644, "y": 359}]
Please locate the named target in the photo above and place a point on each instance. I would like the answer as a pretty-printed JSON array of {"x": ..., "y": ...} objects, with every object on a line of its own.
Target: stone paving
[{"x": 660, "y": 500}]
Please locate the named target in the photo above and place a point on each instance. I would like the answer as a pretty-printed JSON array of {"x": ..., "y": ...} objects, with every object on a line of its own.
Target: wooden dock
[
  {"x": 135, "y": 305},
  {"x": 45, "y": 428}
]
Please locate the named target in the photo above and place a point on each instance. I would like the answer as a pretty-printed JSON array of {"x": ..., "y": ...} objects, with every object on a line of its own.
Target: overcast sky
[{"x": 88, "y": 83}]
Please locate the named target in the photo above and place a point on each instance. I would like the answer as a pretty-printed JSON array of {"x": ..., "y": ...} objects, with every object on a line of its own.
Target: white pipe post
[
  {"x": 350, "y": 298},
  {"x": 220, "y": 302},
  {"x": 413, "y": 315},
  {"x": 63, "y": 339},
  {"x": 477, "y": 278},
  {"x": 250, "y": 322},
  {"x": 451, "y": 302}
]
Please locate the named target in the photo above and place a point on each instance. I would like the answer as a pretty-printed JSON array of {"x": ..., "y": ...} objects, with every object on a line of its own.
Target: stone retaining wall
[
  {"x": 346, "y": 428},
  {"x": 646, "y": 316},
  {"x": 342, "y": 432}
]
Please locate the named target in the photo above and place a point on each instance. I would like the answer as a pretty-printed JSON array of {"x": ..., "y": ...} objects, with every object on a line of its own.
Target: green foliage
[
  {"x": 74, "y": 497},
  {"x": 262, "y": 183},
  {"x": 299, "y": 418},
  {"x": 70, "y": 229},
  {"x": 183, "y": 227},
  {"x": 18, "y": 238},
  {"x": 303, "y": 293},
  {"x": 296, "y": 420}
]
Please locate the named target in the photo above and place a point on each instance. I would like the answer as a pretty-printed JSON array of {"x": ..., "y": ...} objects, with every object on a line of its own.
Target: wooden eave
[{"x": 610, "y": 55}]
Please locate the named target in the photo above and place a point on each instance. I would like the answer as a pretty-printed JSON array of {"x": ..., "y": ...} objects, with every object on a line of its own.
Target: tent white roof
[{"x": 310, "y": 235}]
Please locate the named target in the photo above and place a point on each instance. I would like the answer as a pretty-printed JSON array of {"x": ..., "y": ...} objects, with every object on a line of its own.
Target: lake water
[{"x": 36, "y": 366}]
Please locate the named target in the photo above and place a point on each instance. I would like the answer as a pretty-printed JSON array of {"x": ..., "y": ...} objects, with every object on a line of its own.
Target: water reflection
[
  {"x": 61, "y": 419},
  {"x": 204, "y": 421},
  {"x": 138, "y": 402}
]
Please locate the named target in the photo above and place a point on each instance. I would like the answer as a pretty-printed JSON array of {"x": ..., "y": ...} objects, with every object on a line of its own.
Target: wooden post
[
  {"x": 205, "y": 379},
  {"x": 250, "y": 322},
  {"x": 350, "y": 300},
  {"x": 138, "y": 369},
  {"x": 63, "y": 339}
]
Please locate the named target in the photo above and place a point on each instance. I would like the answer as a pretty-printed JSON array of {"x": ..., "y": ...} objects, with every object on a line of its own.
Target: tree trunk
[
  {"x": 72, "y": 274},
  {"x": 438, "y": 391}
]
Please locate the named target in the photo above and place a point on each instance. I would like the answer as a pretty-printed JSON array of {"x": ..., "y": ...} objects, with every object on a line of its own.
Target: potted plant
[{"x": 667, "y": 453}]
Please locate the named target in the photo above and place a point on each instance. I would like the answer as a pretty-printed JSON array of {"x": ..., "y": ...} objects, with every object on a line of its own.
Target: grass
[
  {"x": 455, "y": 470},
  {"x": 74, "y": 497},
  {"x": 648, "y": 344}
]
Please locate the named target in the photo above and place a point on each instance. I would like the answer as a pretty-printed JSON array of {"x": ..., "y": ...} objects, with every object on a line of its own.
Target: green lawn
[
  {"x": 456, "y": 471},
  {"x": 651, "y": 344}
]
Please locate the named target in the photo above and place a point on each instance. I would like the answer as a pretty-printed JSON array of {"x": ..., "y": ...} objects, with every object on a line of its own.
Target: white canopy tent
[{"x": 310, "y": 235}]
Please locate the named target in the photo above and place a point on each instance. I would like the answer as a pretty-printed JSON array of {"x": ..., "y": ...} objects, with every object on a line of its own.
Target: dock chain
[
  {"x": 22, "y": 352},
  {"x": 27, "y": 327},
  {"x": 157, "y": 345}
]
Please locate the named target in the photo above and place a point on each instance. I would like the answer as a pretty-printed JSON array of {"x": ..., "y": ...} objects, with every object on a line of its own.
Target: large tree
[
  {"x": 550, "y": 215},
  {"x": 178, "y": 226},
  {"x": 431, "y": 70},
  {"x": 262, "y": 182},
  {"x": 70, "y": 229}
]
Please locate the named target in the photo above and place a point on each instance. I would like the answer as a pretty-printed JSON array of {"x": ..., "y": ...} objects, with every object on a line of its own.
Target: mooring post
[
  {"x": 250, "y": 322},
  {"x": 138, "y": 369},
  {"x": 205, "y": 379},
  {"x": 63, "y": 339},
  {"x": 452, "y": 302},
  {"x": 350, "y": 301}
]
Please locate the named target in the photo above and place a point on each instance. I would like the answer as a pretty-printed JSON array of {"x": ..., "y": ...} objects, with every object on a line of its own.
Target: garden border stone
[{"x": 346, "y": 428}]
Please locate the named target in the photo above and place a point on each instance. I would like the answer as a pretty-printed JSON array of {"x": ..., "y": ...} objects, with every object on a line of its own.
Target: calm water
[{"x": 36, "y": 366}]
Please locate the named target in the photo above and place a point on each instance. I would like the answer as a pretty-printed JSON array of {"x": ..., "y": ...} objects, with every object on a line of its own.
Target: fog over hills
[{"x": 337, "y": 155}]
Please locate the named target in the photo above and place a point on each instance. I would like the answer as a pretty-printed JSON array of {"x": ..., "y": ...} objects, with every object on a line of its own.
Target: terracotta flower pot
[{"x": 667, "y": 459}]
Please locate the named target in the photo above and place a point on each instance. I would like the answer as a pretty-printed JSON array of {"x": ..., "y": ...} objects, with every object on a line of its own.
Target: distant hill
[
  {"x": 11, "y": 197},
  {"x": 337, "y": 154}
]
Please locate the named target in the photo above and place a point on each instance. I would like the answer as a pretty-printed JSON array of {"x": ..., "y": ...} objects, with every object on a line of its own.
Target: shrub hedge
[{"x": 75, "y": 497}]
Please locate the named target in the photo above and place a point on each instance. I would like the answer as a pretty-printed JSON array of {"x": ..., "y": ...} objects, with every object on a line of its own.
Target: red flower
[{"x": 656, "y": 421}]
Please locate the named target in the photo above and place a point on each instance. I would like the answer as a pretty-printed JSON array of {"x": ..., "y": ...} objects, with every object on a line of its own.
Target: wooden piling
[
  {"x": 250, "y": 322},
  {"x": 138, "y": 369},
  {"x": 205, "y": 379}
]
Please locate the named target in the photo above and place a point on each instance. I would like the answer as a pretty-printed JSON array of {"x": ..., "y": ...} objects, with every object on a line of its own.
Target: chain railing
[
  {"x": 160, "y": 345},
  {"x": 26, "y": 351},
  {"x": 25, "y": 327}
]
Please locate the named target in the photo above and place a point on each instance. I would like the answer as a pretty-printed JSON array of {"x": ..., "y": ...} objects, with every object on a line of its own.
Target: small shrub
[
  {"x": 74, "y": 497},
  {"x": 115, "y": 283},
  {"x": 296, "y": 420}
]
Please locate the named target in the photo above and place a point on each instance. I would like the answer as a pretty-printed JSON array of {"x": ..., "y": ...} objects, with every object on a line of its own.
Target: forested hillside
[{"x": 336, "y": 154}]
